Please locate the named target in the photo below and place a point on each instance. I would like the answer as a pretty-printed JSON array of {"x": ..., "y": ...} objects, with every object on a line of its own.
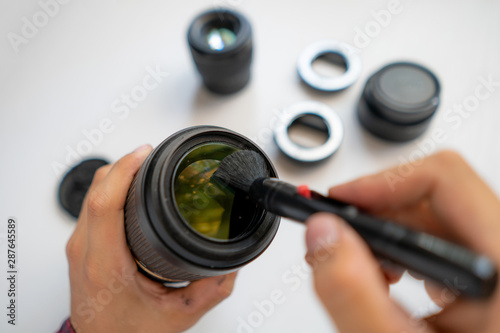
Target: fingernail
[
  {"x": 142, "y": 148},
  {"x": 322, "y": 231}
]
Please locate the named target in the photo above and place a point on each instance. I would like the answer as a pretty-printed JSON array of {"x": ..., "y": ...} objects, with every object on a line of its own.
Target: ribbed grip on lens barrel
[{"x": 148, "y": 259}]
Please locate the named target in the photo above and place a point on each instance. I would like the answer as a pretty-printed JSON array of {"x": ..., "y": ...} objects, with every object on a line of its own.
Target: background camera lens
[{"x": 221, "y": 45}]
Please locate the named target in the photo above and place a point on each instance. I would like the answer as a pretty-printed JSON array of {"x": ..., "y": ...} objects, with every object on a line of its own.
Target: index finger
[
  {"x": 105, "y": 217},
  {"x": 456, "y": 195},
  {"x": 79, "y": 236}
]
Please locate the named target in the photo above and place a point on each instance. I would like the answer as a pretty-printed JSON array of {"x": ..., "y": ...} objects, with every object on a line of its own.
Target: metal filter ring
[
  {"x": 315, "y": 50},
  {"x": 333, "y": 124}
]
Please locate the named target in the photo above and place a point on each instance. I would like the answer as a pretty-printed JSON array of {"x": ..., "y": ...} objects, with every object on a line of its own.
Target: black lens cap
[
  {"x": 76, "y": 183},
  {"x": 399, "y": 101}
]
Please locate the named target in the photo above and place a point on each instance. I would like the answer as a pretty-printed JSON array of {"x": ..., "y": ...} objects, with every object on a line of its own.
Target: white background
[{"x": 64, "y": 79}]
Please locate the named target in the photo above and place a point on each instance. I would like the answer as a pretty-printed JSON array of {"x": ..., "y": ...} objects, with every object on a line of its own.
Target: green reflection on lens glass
[
  {"x": 220, "y": 38},
  {"x": 213, "y": 210}
]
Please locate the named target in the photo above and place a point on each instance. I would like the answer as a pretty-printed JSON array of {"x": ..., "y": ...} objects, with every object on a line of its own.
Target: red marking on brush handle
[{"x": 303, "y": 190}]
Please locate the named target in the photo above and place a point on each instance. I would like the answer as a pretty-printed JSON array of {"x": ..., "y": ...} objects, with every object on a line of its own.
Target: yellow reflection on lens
[{"x": 207, "y": 207}]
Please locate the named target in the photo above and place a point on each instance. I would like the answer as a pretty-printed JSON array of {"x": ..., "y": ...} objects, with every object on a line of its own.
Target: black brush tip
[{"x": 240, "y": 169}]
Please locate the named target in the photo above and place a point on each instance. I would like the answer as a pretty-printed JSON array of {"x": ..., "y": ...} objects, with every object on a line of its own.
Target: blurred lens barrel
[
  {"x": 166, "y": 248},
  {"x": 221, "y": 45}
]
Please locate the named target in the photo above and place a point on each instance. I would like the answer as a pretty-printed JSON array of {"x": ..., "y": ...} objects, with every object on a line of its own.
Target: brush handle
[{"x": 453, "y": 266}]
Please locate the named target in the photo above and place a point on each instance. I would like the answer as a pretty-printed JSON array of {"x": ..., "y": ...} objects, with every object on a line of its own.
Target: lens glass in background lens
[
  {"x": 220, "y": 38},
  {"x": 213, "y": 210}
]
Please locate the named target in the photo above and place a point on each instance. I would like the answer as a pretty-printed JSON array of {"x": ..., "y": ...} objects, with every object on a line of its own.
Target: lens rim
[{"x": 176, "y": 241}]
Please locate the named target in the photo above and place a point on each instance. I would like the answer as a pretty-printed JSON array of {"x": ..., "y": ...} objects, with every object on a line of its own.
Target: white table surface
[{"x": 64, "y": 79}]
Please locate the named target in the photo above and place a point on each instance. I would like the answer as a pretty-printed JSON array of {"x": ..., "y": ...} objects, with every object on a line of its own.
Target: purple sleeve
[{"x": 66, "y": 327}]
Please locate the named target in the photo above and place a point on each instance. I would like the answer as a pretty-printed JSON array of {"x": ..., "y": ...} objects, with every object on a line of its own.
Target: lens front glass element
[
  {"x": 219, "y": 38},
  {"x": 211, "y": 209}
]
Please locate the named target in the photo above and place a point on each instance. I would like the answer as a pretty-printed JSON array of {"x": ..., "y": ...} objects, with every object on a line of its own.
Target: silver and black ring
[
  {"x": 348, "y": 57},
  {"x": 330, "y": 118}
]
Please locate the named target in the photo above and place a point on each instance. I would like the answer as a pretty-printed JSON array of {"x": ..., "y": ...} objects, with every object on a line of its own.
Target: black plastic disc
[{"x": 76, "y": 183}]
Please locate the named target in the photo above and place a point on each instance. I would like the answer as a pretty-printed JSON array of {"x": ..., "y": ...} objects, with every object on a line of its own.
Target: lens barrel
[
  {"x": 223, "y": 62},
  {"x": 165, "y": 247}
]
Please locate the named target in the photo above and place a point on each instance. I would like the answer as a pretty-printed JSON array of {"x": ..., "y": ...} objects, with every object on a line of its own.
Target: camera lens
[
  {"x": 180, "y": 226},
  {"x": 221, "y": 45},
  {"x": 214, "y": 211}
]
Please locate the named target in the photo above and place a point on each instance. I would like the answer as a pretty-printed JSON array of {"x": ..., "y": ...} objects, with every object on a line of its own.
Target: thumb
[{"x": 348, "y": 280}]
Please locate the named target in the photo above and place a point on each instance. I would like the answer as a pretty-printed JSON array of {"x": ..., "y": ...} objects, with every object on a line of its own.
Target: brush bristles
[{"x": 240, "y": 169}]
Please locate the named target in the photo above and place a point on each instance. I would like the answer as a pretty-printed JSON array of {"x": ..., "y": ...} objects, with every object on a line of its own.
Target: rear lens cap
[
  {"x": 398, "y": 101},
  {"x": 76, "y": 183}
]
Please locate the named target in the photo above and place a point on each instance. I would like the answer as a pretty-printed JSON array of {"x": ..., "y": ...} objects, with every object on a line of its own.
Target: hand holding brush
[{"x": 441, "y": 261}]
